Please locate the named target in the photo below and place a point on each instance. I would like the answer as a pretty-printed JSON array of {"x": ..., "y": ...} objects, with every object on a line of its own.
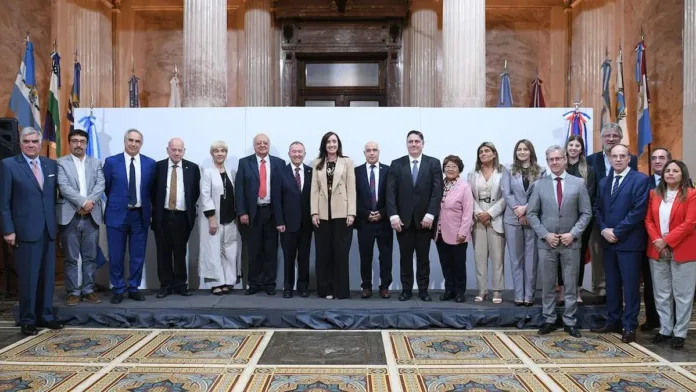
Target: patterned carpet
[{"x": 82, "y": 359}]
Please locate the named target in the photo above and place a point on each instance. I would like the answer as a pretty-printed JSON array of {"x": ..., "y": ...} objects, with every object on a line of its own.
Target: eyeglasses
[
  {"x": 555, "y": 159},
  {"x": 76, "y": 141}
]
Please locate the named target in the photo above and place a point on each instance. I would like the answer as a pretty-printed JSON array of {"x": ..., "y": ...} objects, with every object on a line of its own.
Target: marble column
[
  {"x": 205, "y": 53},
  {"x": 258, "y": 27},
  {"x": 464, "y": 52},
  {"x": 423, "y": 40},
  {"x": 689, "y": 94}
]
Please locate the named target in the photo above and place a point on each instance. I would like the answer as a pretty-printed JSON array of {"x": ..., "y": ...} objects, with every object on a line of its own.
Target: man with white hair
[{"x": 28, "y": 211}]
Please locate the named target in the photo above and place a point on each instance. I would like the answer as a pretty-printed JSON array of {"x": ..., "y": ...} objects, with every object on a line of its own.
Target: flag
[
  {"x": 505, "y": 100},
  {"x": 606, "y": 98},
  {"x": 537, "y": 94},
  {"x": 24, "y": 101},
  {"x": 621, "y": 100},
  {"x": 175, "y": 95},
  {"x": 133, "y": 99},
  {"x": 74, "y": 100},
  {"x": 577, "y": 124},
  {"x": 644, "y": 131},
  {"x": 52, "y": 124}
]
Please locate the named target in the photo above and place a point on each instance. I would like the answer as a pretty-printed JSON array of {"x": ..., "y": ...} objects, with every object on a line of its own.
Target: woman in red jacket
[{"x": 670, "y": 223}]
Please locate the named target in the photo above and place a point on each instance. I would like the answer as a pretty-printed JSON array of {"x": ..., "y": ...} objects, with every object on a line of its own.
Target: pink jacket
[{"x": 456, "y": 213}]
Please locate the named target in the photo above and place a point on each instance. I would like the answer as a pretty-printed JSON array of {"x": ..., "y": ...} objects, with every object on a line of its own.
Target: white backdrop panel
[{"x": 447, "y": 131}]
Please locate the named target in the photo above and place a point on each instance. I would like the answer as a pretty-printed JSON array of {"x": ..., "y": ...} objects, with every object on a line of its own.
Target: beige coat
[{"x": 342, "y": 190}]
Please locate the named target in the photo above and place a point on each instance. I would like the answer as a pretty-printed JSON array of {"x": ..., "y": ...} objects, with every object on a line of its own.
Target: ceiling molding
[{"x": 341, "y": 9}]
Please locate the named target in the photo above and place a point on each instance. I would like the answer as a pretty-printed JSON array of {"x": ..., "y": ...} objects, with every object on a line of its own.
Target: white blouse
[{"x": 666, "y": 210}]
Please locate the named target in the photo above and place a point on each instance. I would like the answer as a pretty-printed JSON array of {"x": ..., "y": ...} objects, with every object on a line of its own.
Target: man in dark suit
[
  {"x": 293, "y": 219},
  {"x": 372, "y": 223},
  {"x": 28, "y": 210},
  {"x": 130, "y": 179},
  {"x": 611, "y": 135},
  {"x": 177, "y": 187},
  {"x": 257, "y": 175},
  {"x": 414, "y": 192},
  {"x": 620, "y": 210}
]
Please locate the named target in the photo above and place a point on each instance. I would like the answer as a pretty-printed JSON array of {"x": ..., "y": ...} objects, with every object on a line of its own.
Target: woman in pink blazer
[{"x": 454, "y": 229}]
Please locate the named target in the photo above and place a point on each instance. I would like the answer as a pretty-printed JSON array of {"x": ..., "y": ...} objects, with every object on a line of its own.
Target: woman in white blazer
[
  {"x": 489, "y": 205},
  {"x": 219, "y": 235}
]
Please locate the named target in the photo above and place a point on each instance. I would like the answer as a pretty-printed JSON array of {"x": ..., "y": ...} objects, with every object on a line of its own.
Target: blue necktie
[
  {"x": 132, "y": 193},
  {"x": 414, "y": 171},
  {"x": 373, "y": 191},
  {"x": 616, "y": 184}
]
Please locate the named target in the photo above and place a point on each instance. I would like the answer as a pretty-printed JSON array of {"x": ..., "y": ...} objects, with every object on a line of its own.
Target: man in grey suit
[
  {"x": 559, "y": 211},
  {"x": 79, "y": 213}
]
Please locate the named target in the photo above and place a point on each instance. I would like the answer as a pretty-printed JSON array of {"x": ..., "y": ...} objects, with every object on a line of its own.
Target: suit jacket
[
  {"x": 596, "y": 160},
  {"x": 364, "y": 199},
  {"x": 192, "y": 189},
  {"x": 24, "y": 207},
  {"x": 545, "y": 217},
  {"x": 411, "y": 202},
  {"x": 497, "y": 200},
  {"x": 456, "y": 213},
  {"x": 515, "y": 195},
  {"x": 342, "y": 190},
  {"x": 69, "y": 199},
  {"x": 116, "y": 189},
  {"x": 624, "y": 211},
  {"x": 287, "y": 198},
  {"x": 682, "y": 220},
  {"x": 246, "y": 184}
]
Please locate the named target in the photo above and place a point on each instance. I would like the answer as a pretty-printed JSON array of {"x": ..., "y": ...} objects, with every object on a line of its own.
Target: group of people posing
[{"x": 549, "y": 218}]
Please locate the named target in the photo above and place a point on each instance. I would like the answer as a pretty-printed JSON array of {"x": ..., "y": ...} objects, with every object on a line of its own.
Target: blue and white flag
[
  {"x": 24, "y": 101},
  {"x": 621, "y": 100},
  {"x": 606, "y": 98},
  {"x": 505, "y": 99},
  {"x": 133, "y": 93},
  {"x": 644, "y": 129}
]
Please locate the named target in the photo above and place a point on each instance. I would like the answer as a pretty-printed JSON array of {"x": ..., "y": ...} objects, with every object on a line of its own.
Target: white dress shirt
[
  {"x": 607, "y": 164},
  {"x": 369, "y": 170},
  {"x": 81, "y": 175},
  {"x": 555, "y": 190},
  {"x": 136, "y": 163},
  {"x": 301, "y": 172},
  {"x": 267, "y": 163},
  {"x": 666, "y": 210},
  {"x": 180, "y": 196}
]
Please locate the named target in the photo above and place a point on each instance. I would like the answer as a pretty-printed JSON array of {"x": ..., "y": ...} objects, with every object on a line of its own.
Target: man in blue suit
[
  {"x": 619, "y": 211},
  {"x": 372, "y": 223},
  {"x": 257, "y": 175},
  {"x": 293, "y": 219},
  {"x": 28, "y": 209},
  {"x": 611, "y": 135},
  {"x": 130, "y": 179}
]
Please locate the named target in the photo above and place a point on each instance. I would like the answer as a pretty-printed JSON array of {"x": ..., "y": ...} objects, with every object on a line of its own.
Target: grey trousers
[
  {"x": 521, "y": 243},
  {"x": 673, "y": 281},
  {"x": 570, "y": 266},
  {"x": 80, "y": 238}
]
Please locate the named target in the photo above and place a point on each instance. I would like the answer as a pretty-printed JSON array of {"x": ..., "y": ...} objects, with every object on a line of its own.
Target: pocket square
[{"x": 51, "y": 175}]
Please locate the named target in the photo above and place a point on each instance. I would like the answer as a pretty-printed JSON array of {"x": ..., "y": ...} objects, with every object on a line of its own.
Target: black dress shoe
[
  {"x": 606, "y": 329},
  {"x": 53, "y": 324},
  {"x": 184, "y": 292},
  {"x": 447, "y": 295},
  {"x": 136, "y": 296},
  {"x": 677, "y": 343},
  {"x": 659, "y": 338},
  {"x": 519, "y": 303},
  {"x": 572, "y": 331},
  {"x": 29, "y": 329},
  {"x": 304, "y": 294},
  {"x": 529, "y": 304},
  {"x": 546, "y": 329},
  {"x": 384, "y": 293},
  {"x": 600, "y": 300},
  {"x": 405, "y": 296},
  {"x": 649, "y": 325},
  {"x": 461, "y": 297},
  {"x": 628, "y": 336},
  {"x": 116, "y": 299},
  {"x": 366, "y": 293},
  {"x": 251, "y": 291},
  {"x": 271, "y": 291},
  {"x": 164, "y": 292},
  {"x": 287, "y": 294},
  {"x": 425, "y": 297}
]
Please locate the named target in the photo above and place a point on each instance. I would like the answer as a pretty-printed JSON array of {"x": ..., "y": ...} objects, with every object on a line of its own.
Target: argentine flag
[
  {"x": 24, "y": 101},
  {"x": 644, "y": 129}
]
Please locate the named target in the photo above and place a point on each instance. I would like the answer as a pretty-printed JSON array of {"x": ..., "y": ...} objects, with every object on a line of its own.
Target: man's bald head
[
  {"x": 371, "y": 153},
  {"x": 176, "y": 149}
]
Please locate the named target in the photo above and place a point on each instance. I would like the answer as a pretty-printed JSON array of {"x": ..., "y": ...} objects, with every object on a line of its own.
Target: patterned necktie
[
  {"x": 414, "y": 171},
  {"x": 616, "y": 184},
  {"x": 262, "y": 180},
  {"x": 132, "y": 193},
  {"x": 373, "y": 191},
  {"x": 298, "y": 180},
  {"x": 172, "y": 188},
  {"x": 37, "y": 173},
  {"x": 559, "y": 192}
]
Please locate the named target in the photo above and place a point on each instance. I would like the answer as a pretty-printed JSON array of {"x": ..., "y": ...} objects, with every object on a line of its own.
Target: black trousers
[
  {"x": 262, "y": 244},
  {"x": 171, "y": 239},
  {"x": 418, "y": 240},
  {"x": 583, "y": 251},
  {"x": 453, "y": 263},
  {"x": 333, "y": 239},
  {"x": 366, "y": 245},
  {"x": 296, "y": 246}
]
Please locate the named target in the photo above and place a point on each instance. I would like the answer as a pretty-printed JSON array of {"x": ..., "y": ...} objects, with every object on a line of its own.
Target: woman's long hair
[
  {"x": 322, "y": 149},
  {"x": 534, "y": 168},
  {"x": 496, "y": 161},
  {"x": 582, "y": 162},
  {"x": 684, "y": 184}
]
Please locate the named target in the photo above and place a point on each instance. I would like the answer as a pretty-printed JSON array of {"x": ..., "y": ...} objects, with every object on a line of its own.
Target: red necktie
[
  {"x": 298, "y": 180},
  {"x": 559, "y": 192},
  {"x": 262, "y": 175}
]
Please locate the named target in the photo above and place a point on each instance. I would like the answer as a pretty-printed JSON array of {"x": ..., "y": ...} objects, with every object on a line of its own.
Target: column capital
[{"x": 417, "y": 5}]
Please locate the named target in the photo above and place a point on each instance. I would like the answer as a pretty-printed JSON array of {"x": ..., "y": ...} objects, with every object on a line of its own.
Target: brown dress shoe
[
  {"x": 384, "y": 293},
  {"x": 366, "y": 293},
  {"x": 72, "y": 300},
  {"x": 91, "y": 298}
]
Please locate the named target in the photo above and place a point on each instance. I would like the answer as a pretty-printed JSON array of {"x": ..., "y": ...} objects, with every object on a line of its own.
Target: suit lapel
[
  {"x": 307, "y": 186},
  {"x": 338, "y": 172},
  {"x": 364, "y": 177},
  {"x": 88, "y": 173},
  {"x": 623, "y": 183},
  {"x": 254, "y": 168},
  {"x": 25, "y": 166},
  {"x": 381, "y": 192},
  {"x": 676, "y": 206},
  {"x": 73, "y": 169},
  {"x": 566, "y": 192},
  {"x": 421, "y": 169}
]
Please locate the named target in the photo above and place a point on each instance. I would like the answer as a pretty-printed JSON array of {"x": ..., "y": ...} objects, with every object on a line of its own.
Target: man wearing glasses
[{"x": 81, "y": 185}]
